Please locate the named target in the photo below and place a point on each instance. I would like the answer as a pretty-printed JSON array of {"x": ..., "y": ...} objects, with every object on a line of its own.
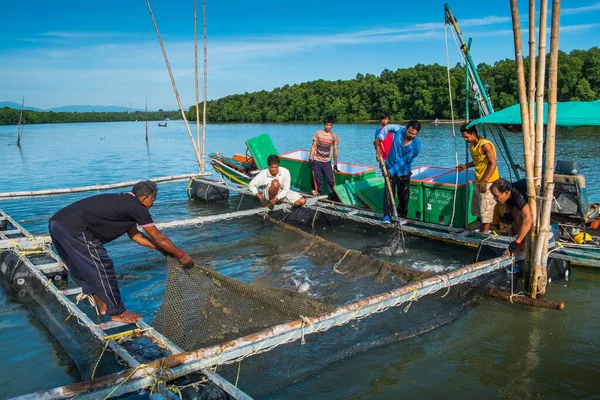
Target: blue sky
[{"x": 106, "y": 52}]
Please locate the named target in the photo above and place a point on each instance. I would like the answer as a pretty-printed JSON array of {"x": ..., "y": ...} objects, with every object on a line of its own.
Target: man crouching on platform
[
  {"x": 276, "y": 181},
  {"x": 515, "y": 209},
  {"x": 80, "y": 230}
]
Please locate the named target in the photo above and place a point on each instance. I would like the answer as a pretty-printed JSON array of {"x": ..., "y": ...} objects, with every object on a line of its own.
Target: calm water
[{"x": 495, "y": 350}]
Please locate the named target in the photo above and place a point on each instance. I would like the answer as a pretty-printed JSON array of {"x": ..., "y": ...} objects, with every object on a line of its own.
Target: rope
[
  {"x": 413, "y": 298},
  {"x": 99, "y": 358},
  {"x": 500, "y": 148},
  {"x": 453, "y": 130},
  {"x": 337, "y": 264},
  {"x": 240, "y": 203},
  {"x": 187, "y": 189},
  {"x": 446, "y": 282},
  {"x": 314, "y": 218},
  {"x": 305, "y": 321},
  {"x": 238, "y": 373},
  {"x": 90, "y": 299},
  {"x": 481, "y": 245},
  {"x": 141, "y": 366}
]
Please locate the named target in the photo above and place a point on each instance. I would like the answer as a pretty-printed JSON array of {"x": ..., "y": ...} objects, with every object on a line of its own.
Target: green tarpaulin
[{"x": 571, "y": 114}]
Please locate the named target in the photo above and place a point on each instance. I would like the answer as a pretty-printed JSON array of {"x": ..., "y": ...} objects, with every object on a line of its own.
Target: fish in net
[{"x": 202, "y": 308}]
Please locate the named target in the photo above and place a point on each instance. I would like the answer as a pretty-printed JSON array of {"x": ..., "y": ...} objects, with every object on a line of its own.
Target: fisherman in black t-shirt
[
  {"x": 516, "y": 209},
  {"x": 80, "y": 230}
]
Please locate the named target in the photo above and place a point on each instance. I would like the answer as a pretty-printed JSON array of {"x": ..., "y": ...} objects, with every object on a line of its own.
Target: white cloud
[
  {"x": 86, "y": 35},
  {"x": 123, "y": 68},
  {"x": 577, "y": 28},
  {"x": 580, "y": 10}
]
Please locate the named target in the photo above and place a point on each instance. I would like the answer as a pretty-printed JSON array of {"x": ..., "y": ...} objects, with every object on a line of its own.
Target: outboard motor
[{"x": 570, "y": 192}]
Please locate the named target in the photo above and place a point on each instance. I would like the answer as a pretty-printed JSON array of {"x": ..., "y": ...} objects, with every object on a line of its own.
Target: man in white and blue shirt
[{"x": 405, "y": 148}]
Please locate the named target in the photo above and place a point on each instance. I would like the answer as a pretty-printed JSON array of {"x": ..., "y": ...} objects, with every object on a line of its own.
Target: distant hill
[
  {"x": 92, "y": 109},
  {"x": 17, "y": 106}
]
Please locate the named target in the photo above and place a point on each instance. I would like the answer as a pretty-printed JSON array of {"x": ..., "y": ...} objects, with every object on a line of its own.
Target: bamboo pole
[
  {"x": 542, "y": 247},
  {"x": 386, "y": 177},
  {"x": 19, "y": 126},
  {"x": 526, "y": 301},
  {"x": 532, "y": 85},
  {"x": 541, "y": 79},
  {"x": 205, "y": 87},
  {"x": 527, "y": 138},
  {"x": 185, "y": 121},
  {"x": 538, "y": 245},
  {"x": 50, "y": 192},
  {"x": 196, "y": 86}
]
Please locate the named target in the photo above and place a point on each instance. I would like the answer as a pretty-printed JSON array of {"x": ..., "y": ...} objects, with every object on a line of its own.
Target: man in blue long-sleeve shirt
[{"x": 405, "y": 147}]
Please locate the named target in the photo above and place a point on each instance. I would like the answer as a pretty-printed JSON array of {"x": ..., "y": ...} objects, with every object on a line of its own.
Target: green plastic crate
[
  {"x": 420, "y": 175},
  {"x": 300, "y": 173},
  {"x": 373, "y": 197},
  {"x": 438, "y": 200},
  {"x": 302, "y": 177},
  {"x": 415, "y": 201}
]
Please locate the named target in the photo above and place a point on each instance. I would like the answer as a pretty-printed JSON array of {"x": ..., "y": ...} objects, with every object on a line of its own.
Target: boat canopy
[{"x": 570, "y": 114}]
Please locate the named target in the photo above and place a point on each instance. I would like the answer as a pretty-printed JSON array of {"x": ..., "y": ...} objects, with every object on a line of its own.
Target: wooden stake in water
[
  {"x": 19, "y": 126},
  {"x": 146, "y": 119}
]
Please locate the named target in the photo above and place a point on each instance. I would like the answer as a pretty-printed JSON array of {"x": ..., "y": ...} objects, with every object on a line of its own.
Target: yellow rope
[
  {"x": 141, "y": 366},
  {"x": 121, "y": 335},
  {"x": 414, "y": 297},
  {"x": 98, "y": 361}
]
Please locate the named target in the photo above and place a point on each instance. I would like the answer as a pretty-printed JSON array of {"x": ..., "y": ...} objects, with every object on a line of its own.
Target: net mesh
[
  {"x": 305, "y": 275},
  {"x": 271, "y": 274}
]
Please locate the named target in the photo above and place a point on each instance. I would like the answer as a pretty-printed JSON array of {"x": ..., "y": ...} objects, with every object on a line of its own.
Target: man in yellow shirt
[{"x": 483, "y": 155}]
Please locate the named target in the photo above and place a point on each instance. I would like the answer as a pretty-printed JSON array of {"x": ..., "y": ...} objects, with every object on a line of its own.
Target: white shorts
[
  {"x": 483, "y": 204},
  {"x": 291, "y": 197}
]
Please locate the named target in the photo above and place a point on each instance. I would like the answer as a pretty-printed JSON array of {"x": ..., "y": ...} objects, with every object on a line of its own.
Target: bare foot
[
  {"x": 126, "y": 316},
  {"x": 101, "y": 305}
]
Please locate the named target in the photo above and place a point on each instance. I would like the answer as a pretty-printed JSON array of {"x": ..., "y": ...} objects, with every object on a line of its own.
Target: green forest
[
  {"x": 419, "y": 92},
  {"x": 10, "y": 116}
]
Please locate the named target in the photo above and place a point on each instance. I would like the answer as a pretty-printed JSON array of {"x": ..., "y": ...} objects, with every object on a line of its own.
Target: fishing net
[
  {"x": 300, "y": 275},
  {"x": 250, "y": 277}
]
